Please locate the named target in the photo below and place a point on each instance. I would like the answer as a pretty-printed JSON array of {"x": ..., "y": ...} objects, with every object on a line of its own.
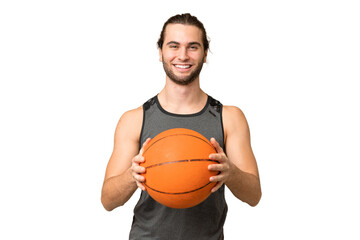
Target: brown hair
[{"x": 186, "y": 19}]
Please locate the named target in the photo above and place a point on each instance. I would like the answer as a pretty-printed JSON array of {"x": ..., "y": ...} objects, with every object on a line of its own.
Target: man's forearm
[
  {"x": 245, "y": 186},
  {"x": 117, "y": 190}
]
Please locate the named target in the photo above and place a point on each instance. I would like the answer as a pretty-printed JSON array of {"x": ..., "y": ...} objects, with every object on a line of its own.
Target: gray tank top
[{"x": 153, "y": 221}]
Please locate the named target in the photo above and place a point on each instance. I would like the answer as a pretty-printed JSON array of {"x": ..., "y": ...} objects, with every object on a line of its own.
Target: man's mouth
[{"x": 182, "y": 66}]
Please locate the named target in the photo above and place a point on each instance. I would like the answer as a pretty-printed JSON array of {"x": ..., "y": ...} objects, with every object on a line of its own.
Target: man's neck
[{"x": 182, "y": 99}]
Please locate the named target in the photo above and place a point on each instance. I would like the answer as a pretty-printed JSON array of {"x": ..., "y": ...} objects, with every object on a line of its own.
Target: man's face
[{"x": 182, "y": 53}]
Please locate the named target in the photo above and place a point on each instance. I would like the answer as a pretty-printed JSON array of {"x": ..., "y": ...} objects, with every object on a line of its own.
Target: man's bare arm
[
  {"x": 119, "y": 183},
  {"x": 238, "y": 166}
]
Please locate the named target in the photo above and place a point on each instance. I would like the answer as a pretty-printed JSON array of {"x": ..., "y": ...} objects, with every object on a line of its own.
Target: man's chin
[{"x": 182, "y": 81}]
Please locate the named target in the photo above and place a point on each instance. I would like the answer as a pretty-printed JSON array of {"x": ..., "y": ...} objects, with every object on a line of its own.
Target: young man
[{"x": 183, "y": 47}]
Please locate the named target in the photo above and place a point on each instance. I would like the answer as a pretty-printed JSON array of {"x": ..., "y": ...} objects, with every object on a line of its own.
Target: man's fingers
[
  {"x": 139, "y": 159},
  {"x": 138, "y": 177},
  {"x": 138, "y": 169},
  {"x": 217, "y": 178},
  {"x": 216, "y": 145},
  {"x": 217, "y": 186},
  {"x": 217, "y": 156},
  {"x": 141, "y": 186},
  {"x": 217, "y": 167},
  {"x": 144, "y": 145}
]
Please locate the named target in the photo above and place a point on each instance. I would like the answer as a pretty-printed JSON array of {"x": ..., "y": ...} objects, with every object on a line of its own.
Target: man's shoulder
[
  {"x": 132, "y": 115},
  {"x": 233, "y": 112},
  {"x": 133, "y": 112},
  {"x": 131, "y": 121},
  {"x": 234, "y": 118},
  {"x": 133, "y": 118}
]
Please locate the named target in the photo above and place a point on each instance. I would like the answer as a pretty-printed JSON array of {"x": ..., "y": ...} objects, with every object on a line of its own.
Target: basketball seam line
[
  {"x": 177, "y": 135},
  {"x": 180, "y": 161},
  {"x": 179, "y": 192}
]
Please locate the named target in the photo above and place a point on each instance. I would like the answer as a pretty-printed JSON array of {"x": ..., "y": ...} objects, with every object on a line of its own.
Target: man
[{"x": 183, "y": 48}]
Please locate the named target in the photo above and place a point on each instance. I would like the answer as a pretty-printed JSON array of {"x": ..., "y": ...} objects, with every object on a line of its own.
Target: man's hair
[{"x": 186, "y": 19}]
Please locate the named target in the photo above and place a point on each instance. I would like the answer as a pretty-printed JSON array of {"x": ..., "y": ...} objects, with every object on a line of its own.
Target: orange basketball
[{"x": 176, "y": 163}]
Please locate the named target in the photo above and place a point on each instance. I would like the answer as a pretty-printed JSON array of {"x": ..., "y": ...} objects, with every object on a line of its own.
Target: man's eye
[
  {"x": 193, "y": 47},
  {"x": 173, "y": 46}
]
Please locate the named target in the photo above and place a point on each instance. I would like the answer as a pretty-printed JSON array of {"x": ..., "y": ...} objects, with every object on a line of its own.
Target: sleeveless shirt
[{"x": 154, "y": 221}]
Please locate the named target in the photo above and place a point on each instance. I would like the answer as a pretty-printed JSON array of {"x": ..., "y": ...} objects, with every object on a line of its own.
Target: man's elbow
[
  {"x": 108, "y": 204},
  {"x": 256, "y": 199},
  {"x": 108, "y": 208}
]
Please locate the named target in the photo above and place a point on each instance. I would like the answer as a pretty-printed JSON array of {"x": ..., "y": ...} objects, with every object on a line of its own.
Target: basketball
[{"x": 176, "y": 163}]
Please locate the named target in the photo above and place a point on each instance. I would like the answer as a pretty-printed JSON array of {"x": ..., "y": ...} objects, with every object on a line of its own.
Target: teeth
[{"x": 182, "y": 66}]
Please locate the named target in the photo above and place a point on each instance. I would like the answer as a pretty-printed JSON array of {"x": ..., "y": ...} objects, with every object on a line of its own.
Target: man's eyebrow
[
  {"x": 195, "y": 43},
  {"x": 177, "y": 43},
  {"x": 173, "y": 42}
]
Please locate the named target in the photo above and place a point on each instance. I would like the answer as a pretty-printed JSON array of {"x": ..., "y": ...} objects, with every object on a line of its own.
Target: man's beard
[{"x": 182, "y": 80}]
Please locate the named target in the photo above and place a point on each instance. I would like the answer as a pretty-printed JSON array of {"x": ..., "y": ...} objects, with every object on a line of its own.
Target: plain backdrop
[{"x": 70, "y": 69}]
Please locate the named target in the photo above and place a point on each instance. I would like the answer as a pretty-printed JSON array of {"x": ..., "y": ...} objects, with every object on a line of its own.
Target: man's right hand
[{"x": 136, "y": 169}]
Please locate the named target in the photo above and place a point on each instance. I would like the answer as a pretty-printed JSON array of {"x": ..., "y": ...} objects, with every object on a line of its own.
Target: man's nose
[{"x": 183, "y": 54}]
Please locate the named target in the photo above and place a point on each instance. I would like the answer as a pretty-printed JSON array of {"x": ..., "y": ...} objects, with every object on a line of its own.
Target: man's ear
[
  {"x": 160, "y": 55},
  {"x": 205, "y": 56}
]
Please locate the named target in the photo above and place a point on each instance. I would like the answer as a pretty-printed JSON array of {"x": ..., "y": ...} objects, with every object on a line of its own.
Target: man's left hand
[{"x": 224, "y": 166}]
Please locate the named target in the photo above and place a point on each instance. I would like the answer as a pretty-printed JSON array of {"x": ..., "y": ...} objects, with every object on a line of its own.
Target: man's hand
[
  {"x": 224, "y": 166},
  {"x": 136, "y": 169}
]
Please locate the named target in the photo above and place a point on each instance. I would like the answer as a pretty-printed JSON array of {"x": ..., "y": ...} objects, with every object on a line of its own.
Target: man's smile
[{"x": 182, "y": 67}]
